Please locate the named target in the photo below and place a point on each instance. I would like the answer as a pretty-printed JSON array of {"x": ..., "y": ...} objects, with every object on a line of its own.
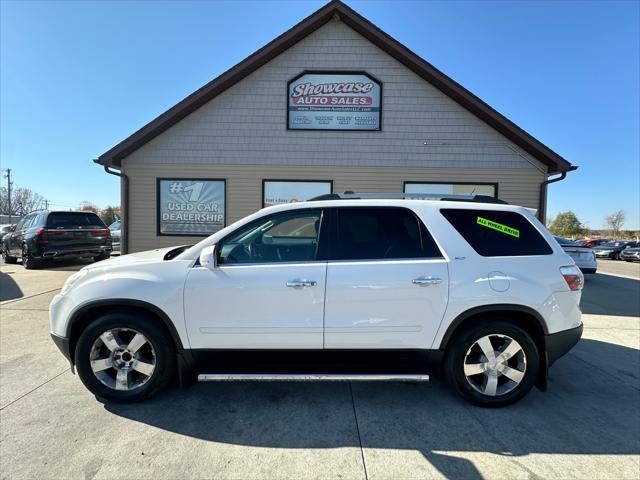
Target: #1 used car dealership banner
[
  {"x": 190, "y": 207},
  {"x": 334, "y": 101}
]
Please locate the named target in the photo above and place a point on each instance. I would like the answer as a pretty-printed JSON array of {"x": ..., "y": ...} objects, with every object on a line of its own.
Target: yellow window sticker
[{"x": 499, "y": 227}]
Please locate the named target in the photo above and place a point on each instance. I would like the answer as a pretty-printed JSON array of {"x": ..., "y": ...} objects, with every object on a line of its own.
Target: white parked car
[
  {"x": 584, "y": 257},
  {"x": 341, "y": 288}
]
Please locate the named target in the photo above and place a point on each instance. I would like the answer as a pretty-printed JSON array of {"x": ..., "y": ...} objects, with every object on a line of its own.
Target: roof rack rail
[{"x": 410, "y": 196}]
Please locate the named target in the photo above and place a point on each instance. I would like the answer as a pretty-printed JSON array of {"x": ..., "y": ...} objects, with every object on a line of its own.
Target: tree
[
  {"x": 23, "y": 201},
  {"x": 88, "y": 207},
  {"x": 566, "y": 224},
  {"x": 614, "y": 222},
  {"x": 110, "y": 214}
]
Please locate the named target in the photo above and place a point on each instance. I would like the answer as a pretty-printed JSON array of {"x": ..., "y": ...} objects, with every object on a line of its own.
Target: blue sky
[{"x": 76, "y": 78}]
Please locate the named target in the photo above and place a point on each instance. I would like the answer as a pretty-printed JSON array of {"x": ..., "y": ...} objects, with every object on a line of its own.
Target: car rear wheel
[
  {"x": 28, "y": 261},
  {"x": 102, "y": 256},
  {"x": 124, "y": 358},
  {"x": 492, "y": 363}
]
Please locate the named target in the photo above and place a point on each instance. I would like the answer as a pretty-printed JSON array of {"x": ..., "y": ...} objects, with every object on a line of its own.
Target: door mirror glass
[{"x": 208, "y": 257}]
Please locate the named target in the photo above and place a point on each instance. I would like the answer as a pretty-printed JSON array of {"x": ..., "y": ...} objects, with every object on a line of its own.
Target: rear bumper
[
  {"x": 92, "y": 251},
  {"x": 559, "y": 343}
]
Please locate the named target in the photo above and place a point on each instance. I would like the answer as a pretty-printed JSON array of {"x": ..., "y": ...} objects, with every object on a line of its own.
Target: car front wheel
[
  {"x": 123, "y": 357},
  {"x": 492, "y": 363}
]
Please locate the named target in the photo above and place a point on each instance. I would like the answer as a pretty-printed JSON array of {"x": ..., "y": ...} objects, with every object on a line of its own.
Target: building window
[
  {"x": 277, "y": 192},
  {"x": 192, "y": 207},
  {"x": 438, "y": 188}
]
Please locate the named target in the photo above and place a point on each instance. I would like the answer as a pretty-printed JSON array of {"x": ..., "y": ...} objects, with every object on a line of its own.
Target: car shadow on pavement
[
  {"x": 591, "y": 408},
  {"x": 9, "y": 289},
  {"x": 65, "y": 265},
  {"x": 611, "y": 295}
]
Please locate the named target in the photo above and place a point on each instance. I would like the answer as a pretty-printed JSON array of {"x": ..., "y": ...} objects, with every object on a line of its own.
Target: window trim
[
  {"x": 426, "y": 182},
  {"x": 321, "y": 248},
  {"x": 423, "y": 230},
  {"x": 292, "y": 180}
]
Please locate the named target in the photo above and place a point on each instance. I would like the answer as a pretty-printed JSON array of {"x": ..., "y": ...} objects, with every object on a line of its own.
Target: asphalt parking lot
[{"x": 586, "y": 426}]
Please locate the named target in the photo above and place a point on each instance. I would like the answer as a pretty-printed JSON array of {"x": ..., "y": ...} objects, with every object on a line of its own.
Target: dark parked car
[
  {"x": 4, "y": 229},
  {"x": 45, "y": 235},
  {"x": 613, "y": 249},
  {"x": 630, "y": 254}
]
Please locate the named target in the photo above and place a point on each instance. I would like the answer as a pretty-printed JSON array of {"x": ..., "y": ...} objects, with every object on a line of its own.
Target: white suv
[{"x": 339, "y": 288}]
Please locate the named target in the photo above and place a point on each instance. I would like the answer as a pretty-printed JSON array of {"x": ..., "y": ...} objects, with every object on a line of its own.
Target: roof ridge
[{"x": 374, "y": 34}]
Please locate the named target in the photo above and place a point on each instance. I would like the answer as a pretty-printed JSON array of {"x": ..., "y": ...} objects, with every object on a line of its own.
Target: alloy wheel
[
  {"x": 495, "y": 364},
  {"x": 122, "y": 359}
]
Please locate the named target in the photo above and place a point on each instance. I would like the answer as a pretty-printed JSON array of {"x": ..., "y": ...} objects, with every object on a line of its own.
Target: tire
[
  {"x": 28, "y": 262},
  {"x": 500, "y": 333},
  {"x": 8, "y": 258},
  {"x": 102, "y": 256},
  {"x": 158, "y": 351}
]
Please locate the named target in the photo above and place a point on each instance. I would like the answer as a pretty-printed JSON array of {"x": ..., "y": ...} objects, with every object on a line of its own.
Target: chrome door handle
[
  {"x": 426, "y": 281},
  {"x": 301, "y": 283}
]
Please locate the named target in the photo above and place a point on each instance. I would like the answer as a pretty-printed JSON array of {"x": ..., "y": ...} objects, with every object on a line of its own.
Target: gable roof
[{"x": 392, "y": 47}]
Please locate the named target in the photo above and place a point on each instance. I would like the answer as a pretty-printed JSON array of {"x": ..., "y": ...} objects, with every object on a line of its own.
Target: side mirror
[
  {"x": 208, "y": 257},
  {"x": 12, "y": 228}
]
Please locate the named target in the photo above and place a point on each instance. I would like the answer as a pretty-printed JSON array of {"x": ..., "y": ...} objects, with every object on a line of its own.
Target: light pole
[{"x": 9, "y": 183}]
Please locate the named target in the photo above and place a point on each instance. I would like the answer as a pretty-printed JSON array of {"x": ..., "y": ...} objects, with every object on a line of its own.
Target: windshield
[
  {"x": 613, "y": 244},
  {"x": 567, "y": 241}
]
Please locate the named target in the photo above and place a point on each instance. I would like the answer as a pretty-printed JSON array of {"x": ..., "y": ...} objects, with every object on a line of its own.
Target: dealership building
[{"x": 331, "y": 105}]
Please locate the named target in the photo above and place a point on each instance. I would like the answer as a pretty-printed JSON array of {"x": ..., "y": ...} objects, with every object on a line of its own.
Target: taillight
[
  {"x": 39, "y": 233},
  {"x": 101, "y": 231},
  {"x": 573, "y": 276}
]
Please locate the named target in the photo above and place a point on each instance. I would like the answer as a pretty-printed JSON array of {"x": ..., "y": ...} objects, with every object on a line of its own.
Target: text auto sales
[
  {"x": 323, "y": 94},
  {"x": 189, "y": 212}
]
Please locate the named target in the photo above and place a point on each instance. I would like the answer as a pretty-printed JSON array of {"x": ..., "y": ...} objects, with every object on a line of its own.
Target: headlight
[{"x": 72, "y": 280}]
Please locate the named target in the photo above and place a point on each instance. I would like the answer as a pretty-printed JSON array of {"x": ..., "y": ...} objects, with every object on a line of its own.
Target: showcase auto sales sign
[{"x": 334, "y": 101}]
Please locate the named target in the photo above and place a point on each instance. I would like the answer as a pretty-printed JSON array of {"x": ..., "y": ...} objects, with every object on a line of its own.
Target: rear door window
[
  {"x": 375, "y": 233},
  {"x": 494, "y": 233},
  {"x": 74, "y": 220}
]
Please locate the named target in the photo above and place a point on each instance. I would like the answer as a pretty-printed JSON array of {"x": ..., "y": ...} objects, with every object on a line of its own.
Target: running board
[{"x": 328, "y": 377}]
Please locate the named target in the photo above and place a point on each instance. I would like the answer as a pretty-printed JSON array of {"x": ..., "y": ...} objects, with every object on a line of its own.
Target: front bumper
[
  {"x": 559, "y": 343},
  {"x": 63, "y": 345}
]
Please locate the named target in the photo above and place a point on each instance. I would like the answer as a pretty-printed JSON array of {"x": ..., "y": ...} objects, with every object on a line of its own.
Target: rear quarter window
[
  {"x": 74, "y": 220},
  {"x": 493, "y": 233}
]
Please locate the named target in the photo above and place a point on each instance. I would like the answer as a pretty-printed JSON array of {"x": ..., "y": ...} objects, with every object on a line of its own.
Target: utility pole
[{"x": 9, "y": 183}]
